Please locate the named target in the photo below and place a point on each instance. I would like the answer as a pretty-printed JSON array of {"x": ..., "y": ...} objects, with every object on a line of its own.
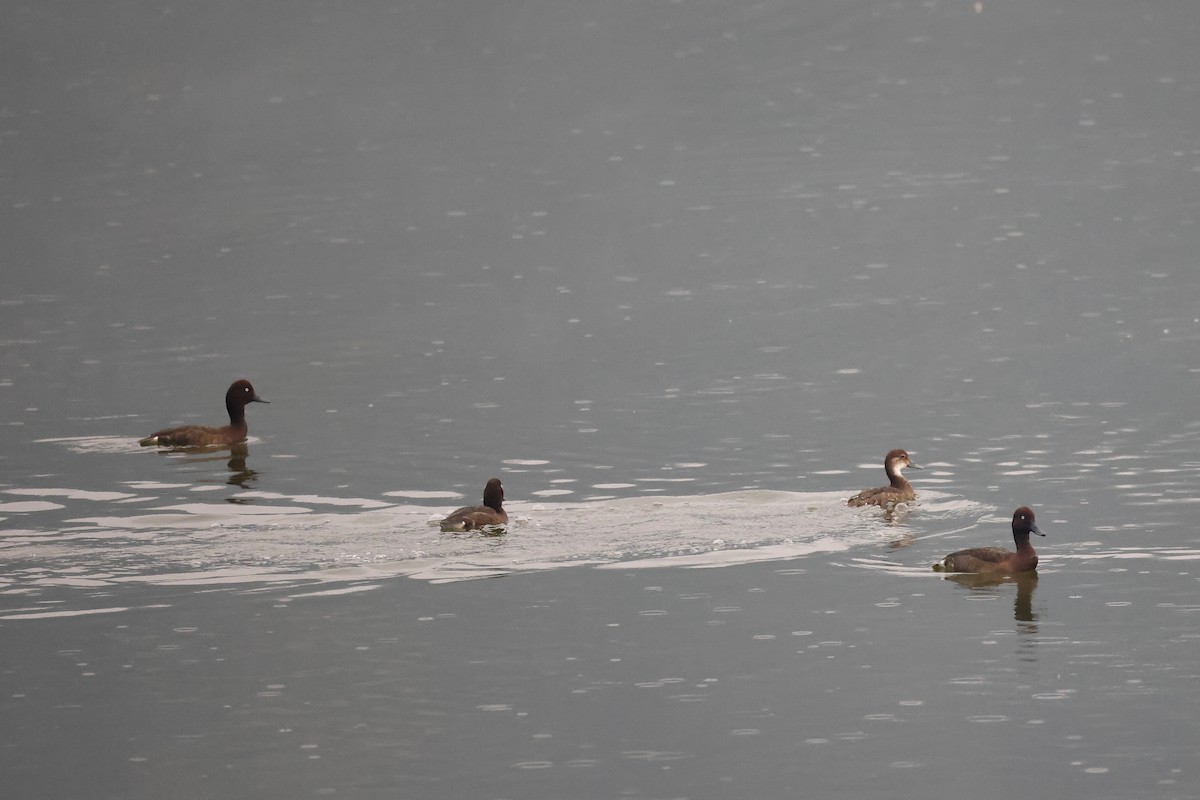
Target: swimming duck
[
  {"x": 897, "y": 491},
  {"x": 471, "y": 518},
  {"x": 239, "y": 394},
  {"x": 997, "y": 559}
]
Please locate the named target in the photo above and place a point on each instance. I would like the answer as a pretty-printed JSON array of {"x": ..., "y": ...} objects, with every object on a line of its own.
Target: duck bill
[
  {"x": 1034, "y": 529},
  {"x": 257, "y": 399}
]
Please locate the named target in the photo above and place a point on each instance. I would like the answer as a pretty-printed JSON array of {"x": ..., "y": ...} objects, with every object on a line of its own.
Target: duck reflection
[
  {"x": 1026, "y": 583},
  {"x": 240, "y": 476},
  {"x": 898, "y": 518},
  {"x": 233, "y": 455},
  {"x": 1026, "y": 618}
]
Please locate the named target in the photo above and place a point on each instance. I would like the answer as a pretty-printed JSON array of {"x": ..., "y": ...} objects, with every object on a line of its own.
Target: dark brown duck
[
  {"x": 469, "y": 518},
  {"x": 240, "y": 393},
  {"x": 997, "y": 559}
]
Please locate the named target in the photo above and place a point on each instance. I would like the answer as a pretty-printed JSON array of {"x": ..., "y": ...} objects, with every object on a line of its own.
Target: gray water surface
[{"x": 680, "y": 273}]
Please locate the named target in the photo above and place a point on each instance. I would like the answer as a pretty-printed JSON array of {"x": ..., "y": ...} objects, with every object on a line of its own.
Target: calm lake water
[{"x": 680, "y": 273}]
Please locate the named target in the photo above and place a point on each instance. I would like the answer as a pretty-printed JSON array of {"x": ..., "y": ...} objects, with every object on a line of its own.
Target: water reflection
[
  {"x": 242, "y": 476},
  {"x": 898, "y": 517},
  {"x": 1026, "y": 583},
  {"x": 1023, "y": 613},
  {"x": 234, "y": 456}
]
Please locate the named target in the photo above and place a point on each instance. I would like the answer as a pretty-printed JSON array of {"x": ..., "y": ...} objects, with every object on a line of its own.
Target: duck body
[
  {"x": 239, "y": 394},
  {"x": 898, "y": 490},
  {"x": 997, "y": 559},
  {"x": 471, "y": 518}
]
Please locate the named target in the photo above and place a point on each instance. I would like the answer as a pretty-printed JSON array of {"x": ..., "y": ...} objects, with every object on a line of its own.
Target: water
[{"x": 680, "y": 274}]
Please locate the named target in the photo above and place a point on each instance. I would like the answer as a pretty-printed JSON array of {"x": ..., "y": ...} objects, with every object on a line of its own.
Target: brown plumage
[
  {"x": 898, "y": 489},
  {"x": 469, "y": 518},
  {"x": 239, "y": 394},
  {"x": 997, "y": 559}
]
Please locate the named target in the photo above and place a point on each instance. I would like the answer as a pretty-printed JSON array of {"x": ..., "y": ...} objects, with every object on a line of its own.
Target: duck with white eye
[
  {"x": 997, "y": 560},
  {"x": 898, "y": 490},
  {"x": 240, "y": 394}
]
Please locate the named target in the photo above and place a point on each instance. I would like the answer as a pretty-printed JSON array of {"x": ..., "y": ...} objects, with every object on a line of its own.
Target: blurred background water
[{"x": 680, "y": 273}]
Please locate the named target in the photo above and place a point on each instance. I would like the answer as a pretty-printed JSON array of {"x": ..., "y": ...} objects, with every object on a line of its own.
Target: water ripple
[{"x": 304, "y": 539}]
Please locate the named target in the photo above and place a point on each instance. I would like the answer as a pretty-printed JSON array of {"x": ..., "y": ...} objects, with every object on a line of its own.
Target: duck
[
  {"x": 898, "y": 489},
  {"x": 240, "y": 393},
  {"x": 469, "y": 518},
  {"x": 997, "y": 559}
]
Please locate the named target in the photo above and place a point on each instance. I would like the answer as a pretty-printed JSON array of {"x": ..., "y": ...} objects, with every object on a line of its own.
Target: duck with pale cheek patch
[{"x": 898, "y": 489}]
